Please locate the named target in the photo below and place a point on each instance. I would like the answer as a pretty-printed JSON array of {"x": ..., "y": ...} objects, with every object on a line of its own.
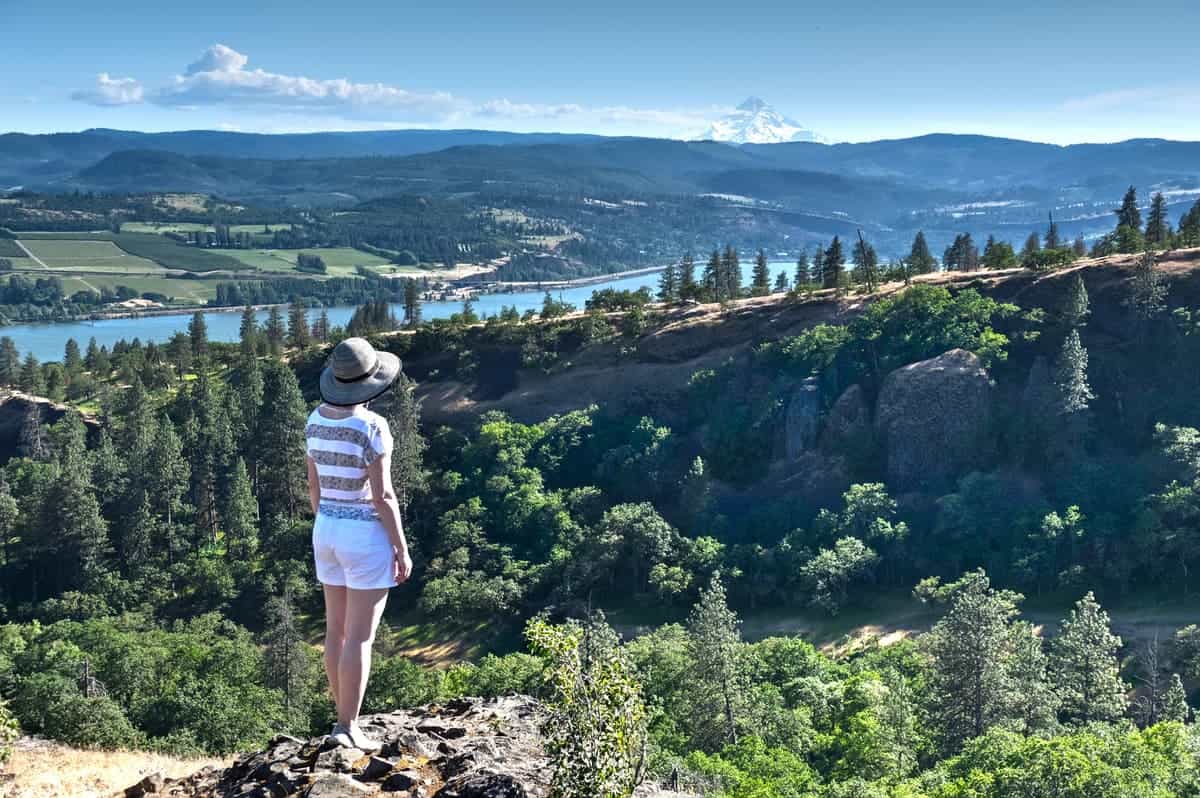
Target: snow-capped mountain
[{"x": 755, "y": 122}]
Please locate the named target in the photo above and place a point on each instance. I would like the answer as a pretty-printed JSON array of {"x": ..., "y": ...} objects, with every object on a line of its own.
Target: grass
[
  {"x": 192, "y": 291},
  {"x": 9, "y": 249},
  {"x": 340, "y": 261},
  {"x": 149, "y": 246},
  {"x": 102, "y": 257}
]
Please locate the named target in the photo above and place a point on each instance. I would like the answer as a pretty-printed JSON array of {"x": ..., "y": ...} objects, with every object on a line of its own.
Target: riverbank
[{"x": 578, "y": 282}]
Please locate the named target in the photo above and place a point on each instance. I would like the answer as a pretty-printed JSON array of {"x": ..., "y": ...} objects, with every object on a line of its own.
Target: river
[{"x": 46, "y": 341}]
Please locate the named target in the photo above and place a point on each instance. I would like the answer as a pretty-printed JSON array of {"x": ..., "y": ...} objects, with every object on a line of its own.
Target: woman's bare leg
[
  {"x": 335, "y": 632},
  {"x": 364, "y": 608}
]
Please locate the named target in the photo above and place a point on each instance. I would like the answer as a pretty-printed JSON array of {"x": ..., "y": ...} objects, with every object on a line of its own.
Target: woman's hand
[{"x": 402, "y": 565}]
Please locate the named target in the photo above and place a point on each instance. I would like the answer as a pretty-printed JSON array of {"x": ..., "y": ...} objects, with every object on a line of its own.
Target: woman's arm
[
  {"x": 388, "y": 509},
  {"x": 314, "y": 485}
]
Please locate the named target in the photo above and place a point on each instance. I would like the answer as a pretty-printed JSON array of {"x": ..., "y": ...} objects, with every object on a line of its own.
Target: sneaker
[
  {"x": 341, "y": 736},
  {"x": 362, "y": 741}
]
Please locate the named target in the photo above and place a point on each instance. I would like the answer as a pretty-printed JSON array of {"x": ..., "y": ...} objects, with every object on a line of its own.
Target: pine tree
[
  {"x": 1174, "y": 702},
  {"x": 712, "y": 278},
  {"x": 668, "y": 284},
  {"x": 971, "y": 687},
  {"x": 32, "y": 381},
  {"x": 1052, "y": 241},
  {"x": 920, "y": 259},
  {"x": 320, "y": 328},
  {"x": 137, "y": 541},
  {"x": 198, "y": 334},
  {"x": 1029, "y": 252},
  {"x": 1084, "y": 665},
  {"x": 162, "y": 471},
  {"x": 412, "y": 303},
  {"x": 9, "y": 513},
  {"x": 1128, "y": 214},
  {"x": 816, "y": 275},
  {"x": 210, "y": 449},
  {"x": 281, "y": 471},
  {"x": 803, "y": 275},
  {"x": 287, "y": 664},
  {"x": 1189, "y": 227},
  {"x": 10, "y": 362},
  {"x": 1079, "y": 247},
  {"x": 247, "y": 401},
  {"x": 404, "y": 419},
  {"x": 695, "y": 492},
  {"x": 248, "y": 332},
  {"x": 866, "y": 264},
  {"x": 687, "y": 277},
  {"x": 998, "y": 254},
  {"x": 1158, "y": 226},
  {"x": 1034, "y": 703},
  {"x": 760, "y": 280},
  {"x": 298, "y": 334},
  {"x": 275, "y": 332},
  {"x": 834, "y": 262},
  {"x": 72, "y": 358},
  {"x": 731, "y": 270},
  {"x": 1075, "y": 309},
  {"x": 1147, "y": 292},
  {"x": 1070, "y": 376},
  {"x": 239, "y": 515},
  {"x": 720, "y": 682},
  {"x": 73, "y": 512},
  {"x": 781, "y": 283}
]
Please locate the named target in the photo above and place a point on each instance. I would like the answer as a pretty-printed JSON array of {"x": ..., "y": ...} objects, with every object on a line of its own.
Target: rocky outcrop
[
  {"x": 848, "y": 424},
  {"x": 16, "y": 407},
  {"x": 466, "y": 748},
  {"x": 934, "y": 419},
  {"x": 802, "y": 419}
]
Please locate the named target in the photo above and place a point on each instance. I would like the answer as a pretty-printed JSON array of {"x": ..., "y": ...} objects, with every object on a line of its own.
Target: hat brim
[{"x": 335, "y": 392}]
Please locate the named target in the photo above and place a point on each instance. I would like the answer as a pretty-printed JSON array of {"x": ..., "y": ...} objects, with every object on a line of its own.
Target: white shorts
[{"x": 353, "y": 554}]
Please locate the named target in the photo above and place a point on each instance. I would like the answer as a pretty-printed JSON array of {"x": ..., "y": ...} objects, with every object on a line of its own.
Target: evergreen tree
[
  {"x": 162, "y": 471},
  {"x": 137, "y": 541},
  {"x": 404, "y": 419},
  {"x": 1084, "y": 665},
  {"x": 10, "y": 362},
  {"x": 275, "y": 332},
  {"x": 803, "y": 275},
  {"x": 1079, "y": 248},
  {"x": 834, "y": 262},
  {"x": 962, "y": 255},
  {"x": 920, "y": 259},
  {"x": 281, "y": 471},
  {"x": 32, "y": 381},
  {"x": 412, "y": 303},
  {"x": 198, "y": 334},
  {"x": 72, "y": 358},
  {"x": 1189, "y": 227},
  {"x": 93, "y": 351},
  {"x": 971, "y": 687},
  {"x": 998, "y": 254},
  {"x": 298, "y": 335},
  {"x": 209, "y": 445},
  {"x": 866, "y": 264},
  {"x": 1029, "y": 252},
  {"x": 1158, "y": 226},
  {"x": 711, "y": 279},
  {"x": 1052, "y": 240},
  {"x": 1070, "y": 376},
  {"x": 668, "y": 284},
  {"x": 9, "y": 514},
  {"x": 239, "y": 515},
  {"x": 1128, "y": 214},
  {"x": 1034, "y": 702},
  {"x": 468, "y": 315},
  {"x": 719, "y": 679},
  {"x": 695, "y": 492},
  {"x": 687, "y": 277},
  {"x": 731, "y": 271},
  {"x": 760, "y": 280},
  {"x": 1174, "y": 703},
  {"x": 1147, "y": 292},
  {"x": 816, "y": 275},
  {"x": 321, "y": 328},
  {"x": 72, "y": 511},
  {"x": 248, "y": 332},
  {"x": 287, "y": 664},
  {"x": 247, "y": 402},
  {"x": 1075, "y": 309},
  {"x": 781, "y": 283}
]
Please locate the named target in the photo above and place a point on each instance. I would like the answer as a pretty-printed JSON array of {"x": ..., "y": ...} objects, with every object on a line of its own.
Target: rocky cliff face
[
  {"x": 933, "y": 418},
  {"x": 16, "y": 407},
  {"x": 466, "y": 748}
]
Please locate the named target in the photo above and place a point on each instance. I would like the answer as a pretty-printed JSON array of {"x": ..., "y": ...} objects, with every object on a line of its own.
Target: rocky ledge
[{"x": 466, "y": 748}]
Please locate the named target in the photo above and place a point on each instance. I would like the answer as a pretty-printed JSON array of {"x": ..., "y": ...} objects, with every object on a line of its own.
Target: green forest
[{"x": 1036, "y": 440}]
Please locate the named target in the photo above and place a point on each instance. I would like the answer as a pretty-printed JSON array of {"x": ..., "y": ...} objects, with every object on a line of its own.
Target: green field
[
  {"x": 102, "y": 257},
  {"x": 192, "y": 291},
  {"x": 150, "y": 246},
  {"x": 339, "y": 260},
  {"x": 9, "y": 249}
]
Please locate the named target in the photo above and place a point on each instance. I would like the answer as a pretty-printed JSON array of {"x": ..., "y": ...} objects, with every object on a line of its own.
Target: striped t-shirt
[{"x": 342, "y": 448}]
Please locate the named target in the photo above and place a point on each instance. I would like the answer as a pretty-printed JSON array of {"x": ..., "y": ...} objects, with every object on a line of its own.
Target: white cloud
[
  {"x": 111, "y": 91},
  {"x": 220, "y": 77}
]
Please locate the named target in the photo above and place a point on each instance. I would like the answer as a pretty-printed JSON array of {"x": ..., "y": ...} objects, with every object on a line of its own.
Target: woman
[{"x": 358, "y": 539}]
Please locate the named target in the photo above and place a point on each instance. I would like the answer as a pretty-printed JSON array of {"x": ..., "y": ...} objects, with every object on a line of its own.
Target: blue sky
[{"x": 1049, "y": 71}]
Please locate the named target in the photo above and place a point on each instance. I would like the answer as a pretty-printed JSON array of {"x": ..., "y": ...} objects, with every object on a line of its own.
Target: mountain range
[{"x": 940, "y": 182}]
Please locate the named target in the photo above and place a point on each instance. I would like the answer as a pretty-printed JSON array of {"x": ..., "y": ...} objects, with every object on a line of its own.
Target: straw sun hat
[{"x": 357, "y": 373}]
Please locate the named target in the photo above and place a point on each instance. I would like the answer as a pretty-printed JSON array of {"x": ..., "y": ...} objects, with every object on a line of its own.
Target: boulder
[
  {"x": 847, "y": 426},
  {"x": 802, "y": 419},
  {"x": 336, "y": 785},
  {"x": 934, "y": 420},
  {"x": 150, "y": 785}
]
